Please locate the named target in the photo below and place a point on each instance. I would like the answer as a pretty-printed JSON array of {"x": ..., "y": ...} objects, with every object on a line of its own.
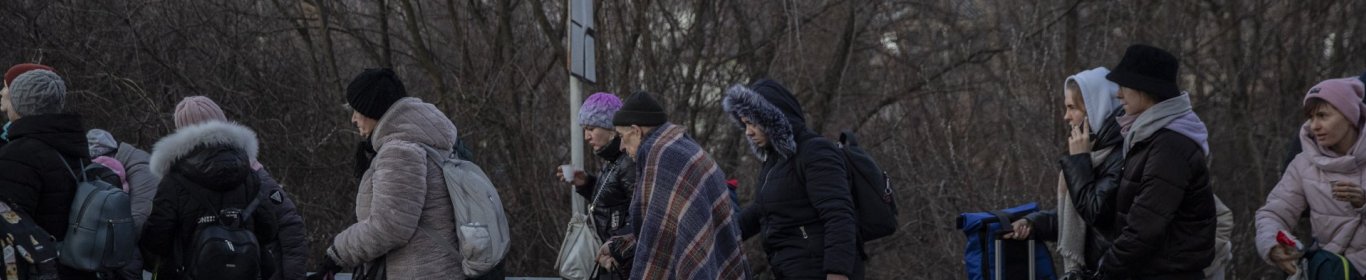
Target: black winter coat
[
  {"x": 803, "y": 208},
  {"x": 610, "y": 194},
  {"x": 291, "y": 252},
  {"x": 36, "y": 171},
  {"x": 1092, "y": 190},
  {"x": 1165, "y": 210},
  {"x": 204, "y": 170}
]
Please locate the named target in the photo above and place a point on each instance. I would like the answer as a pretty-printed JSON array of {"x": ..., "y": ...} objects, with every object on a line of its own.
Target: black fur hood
[{"x": 772, "y": 107}]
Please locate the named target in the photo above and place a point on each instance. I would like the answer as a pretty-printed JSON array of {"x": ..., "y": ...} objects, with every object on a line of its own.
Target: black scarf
[
  {"x": 610, "y": 152},
  {"x": 364, "y": 154}
]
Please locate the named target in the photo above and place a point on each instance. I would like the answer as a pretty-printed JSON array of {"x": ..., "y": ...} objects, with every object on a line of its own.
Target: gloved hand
[{"x": 327, "y": 268}]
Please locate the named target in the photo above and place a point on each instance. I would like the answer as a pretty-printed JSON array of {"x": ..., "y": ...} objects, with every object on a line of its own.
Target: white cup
[{"x": 568, "y": 171}]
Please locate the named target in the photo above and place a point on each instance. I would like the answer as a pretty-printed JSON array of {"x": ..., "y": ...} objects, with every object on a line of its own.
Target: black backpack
[
  {"x": 870, "y": 188},
  {"x": 223, "y": 248}
]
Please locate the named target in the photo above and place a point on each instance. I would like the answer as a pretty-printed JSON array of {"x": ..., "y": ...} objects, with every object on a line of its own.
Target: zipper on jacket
[
  {"x": 803, "y": 229},
  {"x": 763, "y": 217}
]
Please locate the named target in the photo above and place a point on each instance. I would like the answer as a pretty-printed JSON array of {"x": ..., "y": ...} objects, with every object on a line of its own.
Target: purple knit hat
[
  {"x": 1344, "y": 94},
  {"x": 598, "y": 110}
]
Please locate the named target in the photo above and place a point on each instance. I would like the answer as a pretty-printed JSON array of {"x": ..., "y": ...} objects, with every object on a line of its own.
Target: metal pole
[
  {"x": 1031, "y": 259},
  {"x": 575, "y": 101},
  {"x": 1000, "y": 262}
]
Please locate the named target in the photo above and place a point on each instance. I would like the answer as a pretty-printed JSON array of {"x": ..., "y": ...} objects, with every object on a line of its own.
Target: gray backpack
[
  {"x": 482, "y": 226},
  {"x": 99, "y": 233}
]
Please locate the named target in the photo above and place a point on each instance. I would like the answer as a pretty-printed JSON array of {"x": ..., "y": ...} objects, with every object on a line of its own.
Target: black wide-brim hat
[{"x": 1148, "y": 69}]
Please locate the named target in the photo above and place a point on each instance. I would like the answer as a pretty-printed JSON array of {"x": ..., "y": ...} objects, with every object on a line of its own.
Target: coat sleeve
[
  {"x": 1044, "y": 225},
  {"x": 292, "y": 240},
  {"x": 1093, "y": 196},
  {"x": 399, "y": 189},
  {"x": 162, "y": 222},
  {"x": 1162, "y": 188},
  {"x": 586, "y": 190},
  {"x": 143, "y": 185},
  {"x": 827, "y": 186},
  {"x": 1282, "y": 209}
]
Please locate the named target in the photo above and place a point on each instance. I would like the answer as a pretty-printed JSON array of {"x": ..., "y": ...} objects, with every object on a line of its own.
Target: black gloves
[{"x": 327, "y": 268}]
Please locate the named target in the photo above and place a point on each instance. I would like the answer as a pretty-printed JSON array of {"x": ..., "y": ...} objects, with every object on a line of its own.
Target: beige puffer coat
[{"x": 403, "y": 210}]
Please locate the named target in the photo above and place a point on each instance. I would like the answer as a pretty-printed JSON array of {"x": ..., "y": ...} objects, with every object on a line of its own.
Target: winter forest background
[{"x": 959, "y": 99}]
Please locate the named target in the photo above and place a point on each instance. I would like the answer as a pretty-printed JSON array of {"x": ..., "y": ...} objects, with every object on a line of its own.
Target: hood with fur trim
[
  {"x": 773, "y": 108},
  {"x": 215, "y": 154}
]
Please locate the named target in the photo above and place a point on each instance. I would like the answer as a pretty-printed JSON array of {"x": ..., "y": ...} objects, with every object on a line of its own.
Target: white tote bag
[{"x": 579, "y": 252}]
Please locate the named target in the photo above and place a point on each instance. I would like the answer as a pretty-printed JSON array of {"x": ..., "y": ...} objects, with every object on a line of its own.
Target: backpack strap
[
  {"x": 435, "y": 155},
  {"x": 67, "y": 165},
  {"x": 251, "y": 207}
]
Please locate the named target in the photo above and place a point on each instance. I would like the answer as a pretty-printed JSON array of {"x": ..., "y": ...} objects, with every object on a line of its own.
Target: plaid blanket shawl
[{"x": 683, "y": 212}]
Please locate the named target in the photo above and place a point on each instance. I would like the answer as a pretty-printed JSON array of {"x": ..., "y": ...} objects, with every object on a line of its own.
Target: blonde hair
[{"x": 1076, "y": 98}]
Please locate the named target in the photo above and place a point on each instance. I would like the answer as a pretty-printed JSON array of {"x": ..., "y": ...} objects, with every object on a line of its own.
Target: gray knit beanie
[
  {"x": 38, "y": 92},
  {"x": 100, "y": 142}
]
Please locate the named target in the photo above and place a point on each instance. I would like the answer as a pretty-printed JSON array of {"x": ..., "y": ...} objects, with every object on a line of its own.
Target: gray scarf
[
  {"x": 1072, "y": 229},
  {"x": 1154, "y": 119}
]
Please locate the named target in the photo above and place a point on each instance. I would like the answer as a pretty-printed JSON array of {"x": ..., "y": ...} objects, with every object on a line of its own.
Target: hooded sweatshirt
[{"x": 1098, "y": 95}]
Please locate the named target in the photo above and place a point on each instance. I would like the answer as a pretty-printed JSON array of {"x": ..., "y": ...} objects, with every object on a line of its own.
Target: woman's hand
[
  {"x": 580, "y": 177},
  {"x": 605, "y": 259},
  {"x": 1021, "y": 229},
  {"x": 1079, "y": 142},
  {"x": 1284, "y": 257},
  {"x": 1350, "y": 193}
]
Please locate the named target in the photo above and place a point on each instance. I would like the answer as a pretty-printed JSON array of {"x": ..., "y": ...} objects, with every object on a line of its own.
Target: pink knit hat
[
  {"x": 1344, "y": 94},
  {"x": 116, "y": 166},
  {"x": 197, "y": 109}
]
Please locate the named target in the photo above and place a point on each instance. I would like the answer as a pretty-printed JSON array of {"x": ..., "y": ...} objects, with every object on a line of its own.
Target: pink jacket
[{"x": 1306, "y": 186}]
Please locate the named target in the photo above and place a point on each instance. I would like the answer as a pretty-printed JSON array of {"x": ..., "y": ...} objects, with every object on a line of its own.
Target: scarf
[
  {"x": 1072, "y": 229},
  {"x": 1174, "y": 114},
  {"x": 364, "y": 154}
]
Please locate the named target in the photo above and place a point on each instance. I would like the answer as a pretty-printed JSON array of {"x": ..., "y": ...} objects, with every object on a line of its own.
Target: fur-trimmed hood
[
  {"x": 186, "y": 140},
  {"x": 773, "y": 108}
]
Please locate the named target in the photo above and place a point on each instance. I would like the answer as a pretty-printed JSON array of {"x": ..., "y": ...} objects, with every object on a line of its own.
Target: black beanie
[
  {"x": 373, "y": 91},
  {"x": 1148, "y": 69},
  {"x": 640, "y": 109}
]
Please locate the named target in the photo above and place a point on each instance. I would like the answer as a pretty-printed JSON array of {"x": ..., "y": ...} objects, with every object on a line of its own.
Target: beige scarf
[{"x": 1072, "y": 229}]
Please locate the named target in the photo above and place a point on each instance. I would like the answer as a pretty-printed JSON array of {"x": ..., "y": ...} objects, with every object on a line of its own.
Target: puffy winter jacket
[
  {"x": 36, "y": 171},
  {"x": 1165, "y": 210},
  {"x": 142, "y": 183},
  {"x": 803, "y": 208},
  {"x": 291, "y": 252},
  {"x": 1306, "y": 187},
  {"x": 204, "y": 168},
  {"x": 403, "y": 210}
]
